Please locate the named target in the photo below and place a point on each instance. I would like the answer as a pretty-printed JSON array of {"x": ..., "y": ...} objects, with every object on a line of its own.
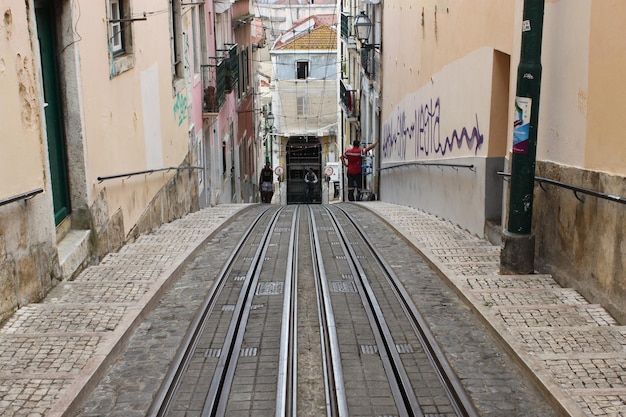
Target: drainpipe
[{"x": 518, "y": 250}]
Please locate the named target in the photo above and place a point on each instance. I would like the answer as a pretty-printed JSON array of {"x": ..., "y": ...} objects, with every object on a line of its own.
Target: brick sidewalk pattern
[{"x": 574, "y": 351}]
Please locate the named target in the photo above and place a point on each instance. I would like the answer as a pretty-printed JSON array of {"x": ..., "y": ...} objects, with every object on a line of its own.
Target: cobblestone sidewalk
[
  {"x": 574, "y": 351},
  {"x": 52, "y": 352}
]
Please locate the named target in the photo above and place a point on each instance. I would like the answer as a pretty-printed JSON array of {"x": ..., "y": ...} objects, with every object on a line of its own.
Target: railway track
[{"x": 373, "y": 354}]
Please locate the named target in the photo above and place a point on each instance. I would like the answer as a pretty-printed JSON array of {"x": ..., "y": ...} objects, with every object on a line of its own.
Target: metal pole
[{"x": 517, "y": 255}]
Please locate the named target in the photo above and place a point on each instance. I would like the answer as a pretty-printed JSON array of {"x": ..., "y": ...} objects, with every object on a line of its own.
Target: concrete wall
[{"x": 455, "y": 119}]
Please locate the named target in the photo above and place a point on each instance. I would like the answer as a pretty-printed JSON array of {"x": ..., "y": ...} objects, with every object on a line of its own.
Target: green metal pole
[
  {"x": 526, "y": 121},
  {"x": 518, "y": 242}
]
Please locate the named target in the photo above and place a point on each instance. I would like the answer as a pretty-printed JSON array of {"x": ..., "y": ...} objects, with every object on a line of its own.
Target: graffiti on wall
[
  {"x": 180, "y": 108},
  {"x": 416, "y": 133}
]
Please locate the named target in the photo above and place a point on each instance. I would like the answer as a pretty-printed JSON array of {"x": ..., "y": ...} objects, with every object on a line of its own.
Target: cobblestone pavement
[
  {"x": 53, "y": 354},
  {"x": 575, "y": 351}
]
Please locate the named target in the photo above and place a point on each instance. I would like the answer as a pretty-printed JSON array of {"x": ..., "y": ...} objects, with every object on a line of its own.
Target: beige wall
[
  {"x": 606, "y": 101},
  {"x": 131, "y": 121},
  {"x": 420, "y": 47},
  {"x": 28, "y": 260},
  {"x": 583, "y": 96},
  {"x": 22, "y": 154},
  {"x": 129, "y": 118},
  {"x": 446, "y": 69}
]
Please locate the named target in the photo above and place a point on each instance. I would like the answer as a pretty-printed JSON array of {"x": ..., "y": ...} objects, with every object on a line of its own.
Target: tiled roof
[{"x": 323, "y": 37}]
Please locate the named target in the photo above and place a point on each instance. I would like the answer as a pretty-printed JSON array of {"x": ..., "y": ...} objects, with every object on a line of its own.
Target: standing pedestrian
[
  {"x": 353, "y": 159},
  {"x": 267, "y": 183},
  {"x": 310, "y": 179}
]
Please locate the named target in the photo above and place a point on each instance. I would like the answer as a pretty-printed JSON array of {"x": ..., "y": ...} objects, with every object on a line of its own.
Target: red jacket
[{"x": 354, "y": 156}]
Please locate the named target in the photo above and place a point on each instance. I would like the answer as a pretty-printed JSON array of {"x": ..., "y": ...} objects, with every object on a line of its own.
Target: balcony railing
[
  {"x": 214, "y": 94},
  {"x": 348, "y": 99},
  {"x": 219, "y": 79}
]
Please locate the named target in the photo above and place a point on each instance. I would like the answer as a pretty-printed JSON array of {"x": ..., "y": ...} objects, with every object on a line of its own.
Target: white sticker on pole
[{"x": 526, "y": 26}]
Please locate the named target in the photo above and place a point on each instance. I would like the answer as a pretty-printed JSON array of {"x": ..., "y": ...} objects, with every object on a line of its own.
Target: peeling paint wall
[
  {"x": 21, "y": 159},
  {"x": 29, "y": 264}
]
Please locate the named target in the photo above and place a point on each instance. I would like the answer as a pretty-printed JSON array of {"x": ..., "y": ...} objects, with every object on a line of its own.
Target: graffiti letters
[
  {"x": 419, "y": 132},
  {"x": 180, "y": 108}
]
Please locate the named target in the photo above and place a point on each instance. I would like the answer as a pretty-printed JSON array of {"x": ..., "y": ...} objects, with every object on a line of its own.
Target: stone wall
[
  {"x": 176, "y": 199},
  {"x": 29, "y": 260},
  {"x": 29, "y": 264},
  {"x": 583, "y": 244}
]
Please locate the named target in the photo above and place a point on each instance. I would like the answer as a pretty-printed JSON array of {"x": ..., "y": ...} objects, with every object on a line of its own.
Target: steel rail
[
  {"x": 146, "y": 171},
  {"x": 286, "y": 392},
  {"x": 399, "y": 381},
  {"x": 219, "y": 390},
  {"x": 336, "y": 401},
  {"x": 167, "y": 392},
  {"x": 24, "y": 196},
  {"x": 458, "y": 397}
]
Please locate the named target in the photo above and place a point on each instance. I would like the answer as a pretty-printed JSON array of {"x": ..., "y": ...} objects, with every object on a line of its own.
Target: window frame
[
  {"x": 302, "y": 67},
  {"x": 303, "y": 105},
  {"x": 119, "y": 36},
  {"x": 116, "y": 30}
]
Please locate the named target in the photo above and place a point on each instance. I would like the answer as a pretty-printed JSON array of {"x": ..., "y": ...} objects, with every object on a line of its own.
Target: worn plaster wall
[
  {"x": 583, "y": 243},
  {"x": 29, "y": 264}
]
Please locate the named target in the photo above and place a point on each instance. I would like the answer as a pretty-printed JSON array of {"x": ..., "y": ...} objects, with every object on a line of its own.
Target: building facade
[
  {"x": 447, "y": 129},
  {"x": 304, "y": 104},
  {"x": 108, "y": 133}
]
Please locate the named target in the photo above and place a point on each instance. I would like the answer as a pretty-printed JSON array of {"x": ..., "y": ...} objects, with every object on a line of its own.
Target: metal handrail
[
  {"x": 24, "y": 196},
  {"x": 574, "y": 188},
  {"x": 148, "y": 171},
  {"x": 438, "y": 164}
]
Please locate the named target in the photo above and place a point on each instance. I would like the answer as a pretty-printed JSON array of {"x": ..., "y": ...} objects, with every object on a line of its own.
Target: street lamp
[
  {"x": 363, "y": 26},
  {"x": 269, "y": 124}
]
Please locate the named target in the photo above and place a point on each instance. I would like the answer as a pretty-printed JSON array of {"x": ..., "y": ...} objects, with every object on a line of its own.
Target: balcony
[
  {"x": 219, "y": 79},
  {"x": 347, "y": 29},
  {"x": 214, "y": 87},
  {"x": 348, "y": 100}
]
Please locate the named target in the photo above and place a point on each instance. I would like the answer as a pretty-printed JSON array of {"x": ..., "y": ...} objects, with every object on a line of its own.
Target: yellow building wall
[
  {"x": 134, "y": 120},
  {"x": 21, "y": 151},
  {"x": 422, "y": 37},
  {"x": 606, "y": 101}
]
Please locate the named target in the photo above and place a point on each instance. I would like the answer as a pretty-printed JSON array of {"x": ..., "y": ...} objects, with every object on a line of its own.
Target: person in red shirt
[{"x": 353, "y": 158}]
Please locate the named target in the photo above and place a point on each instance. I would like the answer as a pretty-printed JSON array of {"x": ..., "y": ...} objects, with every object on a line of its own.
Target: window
[
  {"x": 120, "y": 36},
  {"x": 199, "y": 37},
  {"x": 178, "y": 62},
  {"x": 116, "y": 36},
  {"x": 244, "y": 75},
  {"x": 303, "y": 105},
  {"x": 302, "y": 70}
]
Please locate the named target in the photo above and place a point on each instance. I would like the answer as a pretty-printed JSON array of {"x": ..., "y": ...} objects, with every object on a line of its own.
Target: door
[{"x": 53, "y": 112}]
